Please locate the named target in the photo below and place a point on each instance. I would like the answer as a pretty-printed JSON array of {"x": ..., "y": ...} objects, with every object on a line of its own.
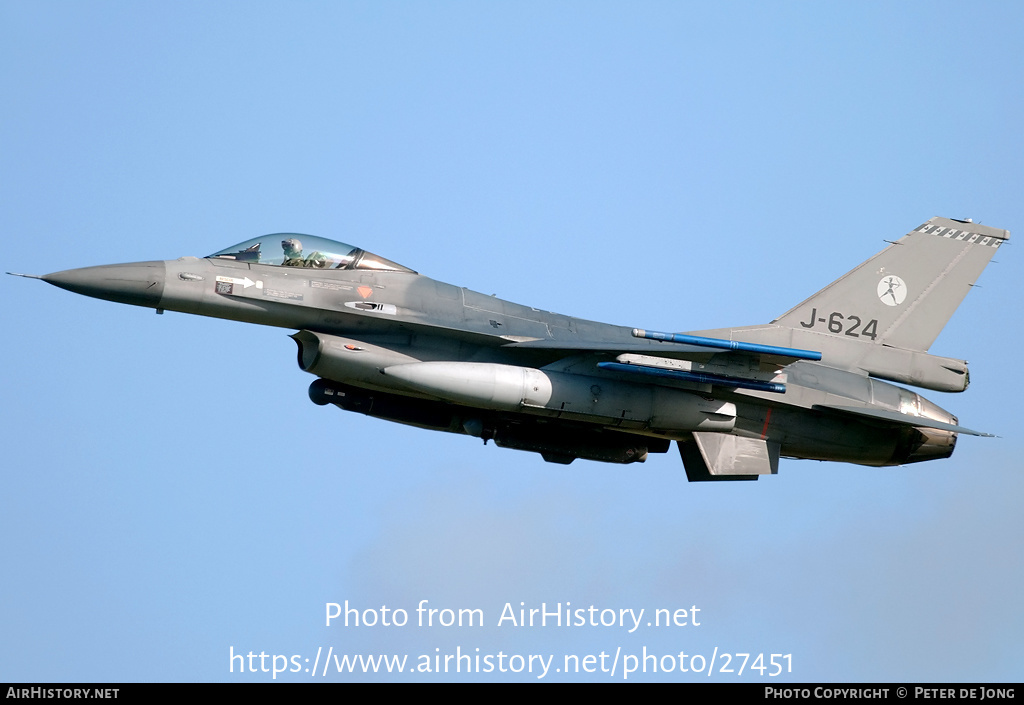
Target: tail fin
[{"x": 904, "y": 295}]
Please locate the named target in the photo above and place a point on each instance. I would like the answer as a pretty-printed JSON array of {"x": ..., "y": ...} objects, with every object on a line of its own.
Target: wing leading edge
[{"x": 691, "y": 358}]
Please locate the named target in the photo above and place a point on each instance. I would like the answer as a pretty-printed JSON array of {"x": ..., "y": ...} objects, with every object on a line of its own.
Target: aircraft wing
[
  {"x": 689, "y": 358},
  {"x": 683, "y": 347}
]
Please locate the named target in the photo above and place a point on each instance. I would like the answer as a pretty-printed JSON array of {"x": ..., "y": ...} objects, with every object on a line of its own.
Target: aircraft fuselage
[{"x": 473, "y": 383}]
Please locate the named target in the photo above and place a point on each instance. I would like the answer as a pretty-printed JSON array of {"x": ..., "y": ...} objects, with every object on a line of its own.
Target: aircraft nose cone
[{"x": 138, "y": 283}]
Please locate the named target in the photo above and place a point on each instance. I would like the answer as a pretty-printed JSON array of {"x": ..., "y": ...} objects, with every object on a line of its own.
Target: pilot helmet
[{"x": 292, "y": 247}]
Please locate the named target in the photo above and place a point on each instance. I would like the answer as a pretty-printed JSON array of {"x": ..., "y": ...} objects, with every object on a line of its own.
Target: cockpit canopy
[{"x": 295, "y": 250}]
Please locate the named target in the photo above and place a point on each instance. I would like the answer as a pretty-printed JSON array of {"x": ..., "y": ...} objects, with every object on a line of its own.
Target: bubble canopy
[{"x": 297, "y": 250}]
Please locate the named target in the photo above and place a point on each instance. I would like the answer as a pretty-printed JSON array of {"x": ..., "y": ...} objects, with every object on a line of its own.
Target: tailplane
[{"x": 904, "y": 295}]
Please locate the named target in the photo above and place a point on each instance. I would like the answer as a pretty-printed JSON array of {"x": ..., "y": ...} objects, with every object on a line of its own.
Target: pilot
[{"x": 293, "y": 255}]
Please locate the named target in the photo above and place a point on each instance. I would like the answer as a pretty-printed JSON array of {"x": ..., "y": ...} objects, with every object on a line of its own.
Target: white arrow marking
[{"x": 246, "y": 283}]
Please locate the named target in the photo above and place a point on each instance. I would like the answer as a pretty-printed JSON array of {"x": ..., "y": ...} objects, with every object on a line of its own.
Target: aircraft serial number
[{"x": 837, "y": 322}]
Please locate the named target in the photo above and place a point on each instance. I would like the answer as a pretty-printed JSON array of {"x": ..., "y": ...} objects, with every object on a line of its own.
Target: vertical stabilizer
[{"x": 904, "y": 295}]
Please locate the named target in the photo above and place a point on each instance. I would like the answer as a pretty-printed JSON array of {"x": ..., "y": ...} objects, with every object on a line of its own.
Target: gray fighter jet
[{"x": 388, "y": 342}]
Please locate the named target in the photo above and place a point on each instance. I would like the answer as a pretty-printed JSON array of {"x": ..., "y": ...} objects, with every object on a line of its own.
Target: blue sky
[{"x": 170, "y": 494}]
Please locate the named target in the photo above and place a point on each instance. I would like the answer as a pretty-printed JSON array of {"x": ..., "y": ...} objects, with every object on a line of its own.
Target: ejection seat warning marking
[
  {"x": 279, "y": 294},
  {"x": 333, "y": 286}
]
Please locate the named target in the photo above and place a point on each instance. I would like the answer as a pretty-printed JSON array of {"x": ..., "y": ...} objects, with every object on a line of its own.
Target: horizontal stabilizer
[{"x": 905, "y": 419}]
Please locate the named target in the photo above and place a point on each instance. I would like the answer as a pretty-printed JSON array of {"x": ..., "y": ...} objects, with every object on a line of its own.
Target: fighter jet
[{"x": 385, "y": 341}]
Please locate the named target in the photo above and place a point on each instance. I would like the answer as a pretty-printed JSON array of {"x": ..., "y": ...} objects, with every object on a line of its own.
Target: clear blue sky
[{"x": 169, "y": 493}]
